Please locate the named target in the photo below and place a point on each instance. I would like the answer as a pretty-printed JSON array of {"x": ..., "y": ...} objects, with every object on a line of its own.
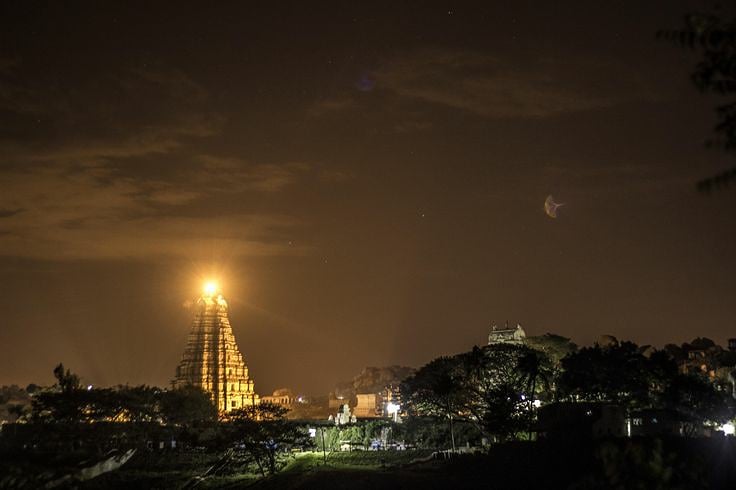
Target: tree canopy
[
  {"x": 493, "y": 387},
  {"x": 713, "y": 35}
]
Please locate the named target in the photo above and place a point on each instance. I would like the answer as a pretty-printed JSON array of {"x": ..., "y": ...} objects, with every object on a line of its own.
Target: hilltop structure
[
  {"x": 284, "y": 397},
  {"x": 212, "y": 360},
  {"x": 506, "y": 334}
]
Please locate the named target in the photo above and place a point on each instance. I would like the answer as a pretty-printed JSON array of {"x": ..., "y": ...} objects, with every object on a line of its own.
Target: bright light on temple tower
[
  {"x": 212, "y": 359},
  {"x": 210, "y": 288}
]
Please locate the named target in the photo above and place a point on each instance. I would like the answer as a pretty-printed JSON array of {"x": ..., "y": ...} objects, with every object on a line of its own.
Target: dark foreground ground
[
  {"x": 619, "y": 464},
  {"x": 616, "y": 464}
]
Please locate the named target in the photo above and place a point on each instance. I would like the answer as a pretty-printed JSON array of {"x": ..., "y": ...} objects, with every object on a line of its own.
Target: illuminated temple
[{"x": 212, "y": 360}]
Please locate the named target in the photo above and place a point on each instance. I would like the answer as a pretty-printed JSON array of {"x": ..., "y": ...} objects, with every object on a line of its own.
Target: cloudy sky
[{"x": 366, "y": 182}]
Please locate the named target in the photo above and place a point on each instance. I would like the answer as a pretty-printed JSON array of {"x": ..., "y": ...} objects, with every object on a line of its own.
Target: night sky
[{"x": 365, "y": 180}]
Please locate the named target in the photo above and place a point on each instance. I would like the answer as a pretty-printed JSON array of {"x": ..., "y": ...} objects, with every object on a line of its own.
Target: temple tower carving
[{"x": 212, "y": 360}]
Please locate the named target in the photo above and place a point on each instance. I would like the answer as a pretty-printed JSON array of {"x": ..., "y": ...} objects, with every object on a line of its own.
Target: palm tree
[{"x": 531, "y": 368}]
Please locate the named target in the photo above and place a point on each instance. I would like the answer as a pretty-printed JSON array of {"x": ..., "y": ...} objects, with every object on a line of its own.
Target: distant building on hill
[
  {"x": 283, "y": 396},
  {"x": 506, "y": 334}
]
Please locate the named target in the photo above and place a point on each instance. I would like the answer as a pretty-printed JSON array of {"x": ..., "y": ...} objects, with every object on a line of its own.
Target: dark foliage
[
  {"x": 187, "y": 406},
  {"x": 67, "y": 402},
  {"x": 438, "y": 389},
  {"x": 493, "y": 387},
  {"x": 620, "y": 374},
  {"x": 617, "y": 374},
  {"x": 65, "y": 380},
  {"x": 713, "y": 35},
  {"x": 696, "y": 400},
  {"x": 262, "y": 433}
]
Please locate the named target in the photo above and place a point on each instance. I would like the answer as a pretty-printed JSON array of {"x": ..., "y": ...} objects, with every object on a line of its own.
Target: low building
[
  {"x": 369, "y": 405},
  {"x": 655, "y": 422},
  {"x": 385, "y": 403}
]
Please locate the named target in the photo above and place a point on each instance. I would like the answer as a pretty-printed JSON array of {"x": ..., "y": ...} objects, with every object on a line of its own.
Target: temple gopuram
[{"x": 212, "y": 360}]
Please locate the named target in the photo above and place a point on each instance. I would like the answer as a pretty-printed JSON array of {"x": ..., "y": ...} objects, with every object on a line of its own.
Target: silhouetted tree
[
  {"x": 138, "y": 403},
  {"x": 554, "y": 346},
  {"x": 77, "y": 405},
  {"x": 502, "y": 382},
  {"x": 65, "y": 403},
  {"x": 32, "y": 388},
  {"x": 661, "y": 371},
  {"x": 68, "y": 402},
  {"x": 616, "y": 373},
  {"x": 493, "y": 387},
  {"x": 437, "y": 389},
  {"x": 534, "y": 367},
  {"x": 696, "y": 400},
  {"x": 702, "y": 343},
  {"x": 188, "y": 405},
  {"x": 642, "y": 463},
  {"x": 676, "y": 352},
  {"x": 713, "y": 35},
  {"x": 262, "y": 433},
  {"x": 66, "y": 380}
]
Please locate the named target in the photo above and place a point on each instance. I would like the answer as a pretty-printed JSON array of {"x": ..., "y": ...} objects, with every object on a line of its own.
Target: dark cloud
[
  {"x": 78, "y": 178},
  {"x": 91, "y": 211},
  {"x": 106, "y": 119},
  {"x": 331, "y": 105},
  {"x": 495, "y": 87},
  {"x": 234, "y": 175},
  {"x": 6, "y": 213}
]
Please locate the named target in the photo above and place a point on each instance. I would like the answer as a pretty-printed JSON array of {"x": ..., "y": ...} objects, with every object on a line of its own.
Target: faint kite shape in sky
[{"x": 550, "y": 206}]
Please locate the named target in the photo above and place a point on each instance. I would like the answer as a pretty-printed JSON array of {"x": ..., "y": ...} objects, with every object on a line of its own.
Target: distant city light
[
  {"x": 312, "y": 432},
  {"x": 537, "y": 403},
  {"x": 89, "y": 387},
  {"x": 728, "y": 429}
]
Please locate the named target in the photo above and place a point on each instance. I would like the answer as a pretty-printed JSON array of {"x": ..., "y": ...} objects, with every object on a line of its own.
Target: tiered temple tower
[{"x": 212, "y": 360}]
